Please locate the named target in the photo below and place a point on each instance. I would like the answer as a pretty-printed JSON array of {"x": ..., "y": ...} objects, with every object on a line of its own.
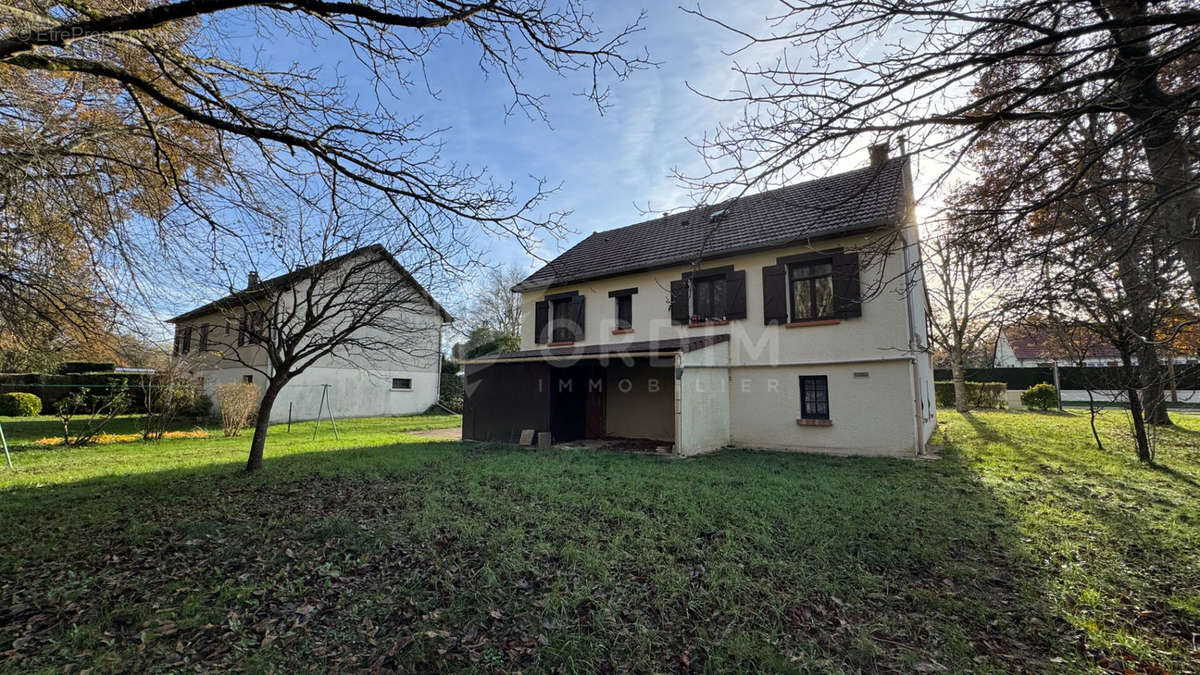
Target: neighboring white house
[
  {"x": 792, "y": 319},
  {"x": 1033, "y": 345},
  {"x": 363, "y": 382}
]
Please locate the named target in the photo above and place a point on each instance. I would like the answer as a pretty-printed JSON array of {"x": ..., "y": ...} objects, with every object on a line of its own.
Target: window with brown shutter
[
  {"x": 187, "y": 340},
  {"x": 204, "y": 337},
  {"x": 717, "y": 294},
  {"x": 565, "y": 318},
  {"x": 541, "y": 318},
  {"x": 811, "y": 290},
  {"x": 812, "y": 287}
]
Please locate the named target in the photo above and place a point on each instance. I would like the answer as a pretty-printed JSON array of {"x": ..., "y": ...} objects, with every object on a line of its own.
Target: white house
[
  {"x": 793, "y": 319},
  {"x": 1034, "y": 345},
  {"x": 374, "y": 375}
]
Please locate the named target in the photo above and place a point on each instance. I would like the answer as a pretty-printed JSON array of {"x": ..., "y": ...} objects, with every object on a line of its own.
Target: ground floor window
[
  {"x": 248, "y": 379},
  {"x": 814, "y": 397},
  {"x": 402, "y": 383}
]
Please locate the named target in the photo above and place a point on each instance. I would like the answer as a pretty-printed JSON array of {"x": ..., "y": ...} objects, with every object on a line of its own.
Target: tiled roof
[
  {"x": 1031, "y": 341},
  {"x": 839, "y": 204},
  {"x": 240, "y": 298},
  {"x": 684, "y": 344}
]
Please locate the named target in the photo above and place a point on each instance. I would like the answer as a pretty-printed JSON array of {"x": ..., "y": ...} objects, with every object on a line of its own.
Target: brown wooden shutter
[
  {"x": 847, "y": 293},
  {"x": 679, "y": 301},
  {"x": 735, "y": 295},
  {"x": 204, "y": 337},
  {"x": 577, "y": 318},
  {"x": 775, "y": 294},
  {"x": 178, "y": 339},
  {"x": 541, "y": 317}
]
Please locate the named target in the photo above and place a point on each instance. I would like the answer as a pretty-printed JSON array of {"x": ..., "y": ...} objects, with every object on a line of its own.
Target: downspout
[
  {"x": 437, "y": 398},
  {"x": 918, "y": 436}
]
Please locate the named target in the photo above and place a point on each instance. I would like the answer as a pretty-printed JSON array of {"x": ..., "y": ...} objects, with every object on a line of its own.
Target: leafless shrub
[{"x": 239, "y": 404}]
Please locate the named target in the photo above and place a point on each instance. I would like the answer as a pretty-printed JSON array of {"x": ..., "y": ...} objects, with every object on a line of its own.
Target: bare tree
[
  {"x": 125, "y": 124},
  {"x": 359, "y": 307},
  {"x": 967, "y": 301},
  {"x": 495, "y": 305},
  {"x": 947, "y": 74}
]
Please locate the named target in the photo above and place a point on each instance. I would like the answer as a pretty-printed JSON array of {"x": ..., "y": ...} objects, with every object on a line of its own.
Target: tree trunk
[
  {"x": 261, "y": 422},
  {"x": 1136, "y": 412},
  {"x": 1167, "y": 153},
  {"x": 1154, "y": 400},
  {"x": 958, "y": 374}
]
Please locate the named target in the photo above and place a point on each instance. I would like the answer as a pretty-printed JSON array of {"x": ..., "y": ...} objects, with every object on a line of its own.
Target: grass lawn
[{"x": 1024, "y": 548}]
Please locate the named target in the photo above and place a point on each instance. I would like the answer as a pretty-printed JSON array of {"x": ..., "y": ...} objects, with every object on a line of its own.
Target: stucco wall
[
  {"x": 354, "y": 393},
  {"x": 870, "y": 415},
  {"x": 702, "y": 401},
  {"x": 640, "y": 402}
]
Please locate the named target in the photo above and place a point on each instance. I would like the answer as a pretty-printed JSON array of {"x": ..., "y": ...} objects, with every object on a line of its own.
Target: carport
[{"x": 629, "y": 390}]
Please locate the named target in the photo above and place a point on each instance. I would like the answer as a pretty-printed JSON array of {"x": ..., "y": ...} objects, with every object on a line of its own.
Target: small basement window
[
  {"x": 814, "y": 397},
  {"x": 248, "y": 379},
  {"x": 401, "y": 384}
]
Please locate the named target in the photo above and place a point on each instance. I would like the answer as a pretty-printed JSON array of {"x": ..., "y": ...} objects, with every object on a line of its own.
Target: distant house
[
  {"x": 744, "y": 324},
  {"x": 1033, "y": 345},
  {"x": 216, "y": 343}
]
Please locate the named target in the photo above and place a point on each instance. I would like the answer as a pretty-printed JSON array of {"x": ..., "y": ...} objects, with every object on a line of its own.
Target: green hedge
[
  {"x": 73, "y": 367},
  {"x": 52, "y": 388},
  {"x": 979, "y": 394},
  {"x": 20, "y": 404}
]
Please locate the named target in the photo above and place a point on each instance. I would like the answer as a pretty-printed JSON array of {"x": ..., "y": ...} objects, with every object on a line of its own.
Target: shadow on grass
[
  {"x": 449, "y": 555},
  {"x": 1118, "y": 529}
]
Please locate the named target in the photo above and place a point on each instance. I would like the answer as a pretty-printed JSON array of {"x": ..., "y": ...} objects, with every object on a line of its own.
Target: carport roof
[{"x": 643, "y": 348}]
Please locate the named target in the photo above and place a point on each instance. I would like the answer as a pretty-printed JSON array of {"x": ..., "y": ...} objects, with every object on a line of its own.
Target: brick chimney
[
  {"x": 252, "y": 280},
  {"x": 879, "y": 155}
]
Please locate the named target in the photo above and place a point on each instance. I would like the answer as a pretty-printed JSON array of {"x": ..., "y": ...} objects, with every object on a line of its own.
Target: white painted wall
[
  {"x": 870, "y": 415},
  {"x": 702, "y": 400}
]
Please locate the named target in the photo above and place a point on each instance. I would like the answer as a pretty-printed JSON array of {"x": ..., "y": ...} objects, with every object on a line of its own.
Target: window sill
[
  {"x": 698, "y": 324},
  {"x": 402, "y": 390},
  {"x": 622, "y": 331},
  {"x": 800, "y": 421},
  {"x": 566, "y": 343},
  {"x": 815, "y": 322}
]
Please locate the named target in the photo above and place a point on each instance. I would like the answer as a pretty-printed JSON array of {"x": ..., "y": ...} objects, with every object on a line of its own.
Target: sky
[{"x": 612, "y": 166}]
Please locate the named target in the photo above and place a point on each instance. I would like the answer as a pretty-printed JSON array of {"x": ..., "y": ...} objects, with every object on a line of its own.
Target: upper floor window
[
  {"x": 708, "y": 298},
  {"x": 717, "y": 294},
  {"x": 559, "y": 318},
  {"x": 204, "y": 337},
  {"x": 624, "y": 312},
  {"x": 811, "y": 291},
  {"x": 560, "y": 314}
]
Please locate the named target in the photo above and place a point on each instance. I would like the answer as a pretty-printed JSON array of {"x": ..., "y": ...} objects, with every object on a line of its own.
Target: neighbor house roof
[
  {"x": 848, "y": 202},
  {"x": 1043, "y": 342},
  {"x": 644, "y": 347},
  {"x": 240, "y": 298}
]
